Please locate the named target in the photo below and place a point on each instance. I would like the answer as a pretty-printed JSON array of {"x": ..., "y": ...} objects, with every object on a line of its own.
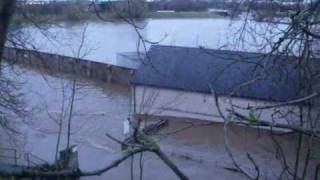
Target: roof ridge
[{"x": 209, "y": 49}]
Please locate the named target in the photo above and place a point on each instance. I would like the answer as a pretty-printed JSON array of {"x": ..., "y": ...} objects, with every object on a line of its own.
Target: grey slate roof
[{"x": 202, "y": 70}]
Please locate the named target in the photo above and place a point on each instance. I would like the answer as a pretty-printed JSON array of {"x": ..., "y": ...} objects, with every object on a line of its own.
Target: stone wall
[{"x": 54, "y": 63}]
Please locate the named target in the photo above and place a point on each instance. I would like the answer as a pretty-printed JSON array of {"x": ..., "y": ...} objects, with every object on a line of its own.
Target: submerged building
[{"x": 202, "y": 84}]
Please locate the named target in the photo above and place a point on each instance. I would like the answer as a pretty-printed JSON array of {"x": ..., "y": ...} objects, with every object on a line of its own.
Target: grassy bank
[
  {"x": 45, "y": 18},
  {"x": 162, "y": 15}
]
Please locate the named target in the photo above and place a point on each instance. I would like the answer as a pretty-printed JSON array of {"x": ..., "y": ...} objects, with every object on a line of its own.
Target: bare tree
[
  {"x": 11, "y": 102},
  {"x": 297, "y": 42},
  {"x": 290, "y": 43},
  {"x": 7, "y": 8},
  {"x": 295, "y": 47}
]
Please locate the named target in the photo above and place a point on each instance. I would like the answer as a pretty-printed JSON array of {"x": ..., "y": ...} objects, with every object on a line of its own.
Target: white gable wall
[{"x": 181, "y": 104}]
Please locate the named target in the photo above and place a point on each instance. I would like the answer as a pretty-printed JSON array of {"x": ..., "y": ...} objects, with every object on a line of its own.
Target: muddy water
[
  {"x": 199, "y": 149},
  {"x": 103, "y": 40},
  {"x": 99, "y": 108}
]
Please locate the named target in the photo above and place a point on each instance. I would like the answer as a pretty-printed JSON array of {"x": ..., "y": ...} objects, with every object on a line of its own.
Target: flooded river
[
  {"x": 98, "y": 109},
  {"x": 103, "y": 40},
  {"x": 102, "y": 108}
]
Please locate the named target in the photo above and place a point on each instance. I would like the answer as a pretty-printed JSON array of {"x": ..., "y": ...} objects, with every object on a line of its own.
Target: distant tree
[
  {"x": 180, "y": 5},
  {"x": 11, "y": 104},
  {"x": 6, "y": 11},
  {"x": 130, "y": 8}
]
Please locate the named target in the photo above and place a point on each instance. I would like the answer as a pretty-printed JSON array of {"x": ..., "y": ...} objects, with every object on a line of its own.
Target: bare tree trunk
[
  {"x": 71, "y": 111},
  {"x": 60, "y": 123},
  {"x": 7, "y": 8}
]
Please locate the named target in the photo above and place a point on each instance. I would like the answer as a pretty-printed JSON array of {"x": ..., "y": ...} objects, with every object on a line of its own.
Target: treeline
[
  {"x": 56, "y": 7},
  {"x": 179, "y": 5},
  {"x": 70, "y": 10},
  {"x": 273, "y": 6},
  {"x": 136, "y": 8},
  {"x": 75, "y": 9}
]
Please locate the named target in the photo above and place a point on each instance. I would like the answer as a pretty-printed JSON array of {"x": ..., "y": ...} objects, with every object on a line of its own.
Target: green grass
[{"x": 162, "y": 15}]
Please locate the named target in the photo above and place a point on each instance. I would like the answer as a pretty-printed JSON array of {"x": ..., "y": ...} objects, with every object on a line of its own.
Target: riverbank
[
  {"x": 89, "y": 16},
  {"x": 191, "y": 14}
]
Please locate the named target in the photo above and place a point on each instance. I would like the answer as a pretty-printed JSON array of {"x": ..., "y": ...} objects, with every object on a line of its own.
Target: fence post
[
  {"x": 15, "y": 158},
  {"x": 316, "y": 177}
]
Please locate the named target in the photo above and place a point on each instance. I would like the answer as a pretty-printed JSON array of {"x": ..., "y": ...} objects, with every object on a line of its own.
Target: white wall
[
  {"x": 174, "y": 103},
  {"x": 129, "y": 60}
]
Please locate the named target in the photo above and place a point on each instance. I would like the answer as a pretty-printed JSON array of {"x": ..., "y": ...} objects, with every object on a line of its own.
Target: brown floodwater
[{"x": 102, "y": 108}]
